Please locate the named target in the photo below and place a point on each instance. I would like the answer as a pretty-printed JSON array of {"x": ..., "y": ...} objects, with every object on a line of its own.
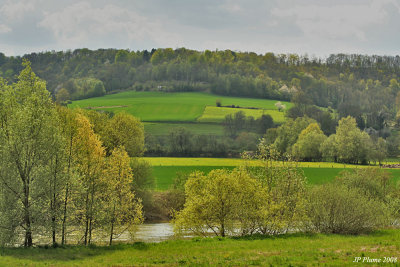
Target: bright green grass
[
  {"x": 217, "y": 114},
  {"x": 170, "y": 161},
  {"x": 165, "y": 175},
  {"x": 160, "y": 128},
  {"x": 165, "y": 161},
  {"x": 285, "y": 250},
  {"x": 160, "y": 106},
  {"x": 166, "y": 169}
]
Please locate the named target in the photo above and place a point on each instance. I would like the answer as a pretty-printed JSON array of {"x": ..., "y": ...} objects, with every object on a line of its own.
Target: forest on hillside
[{"x": 358, "y": 85}]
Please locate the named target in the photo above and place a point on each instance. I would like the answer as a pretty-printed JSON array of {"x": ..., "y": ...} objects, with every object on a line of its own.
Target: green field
[
  {"x": 284, "y": 250},
  {"x": 171, "y": 107},
  {"x": 166, "y": 169}
]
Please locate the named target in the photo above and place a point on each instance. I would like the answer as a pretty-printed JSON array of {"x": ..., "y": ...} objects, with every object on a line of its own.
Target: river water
[{"x": 154, "y": 232}]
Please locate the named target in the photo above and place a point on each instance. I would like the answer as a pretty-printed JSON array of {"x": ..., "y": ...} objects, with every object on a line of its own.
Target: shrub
[{"x": 340, "y": 209}]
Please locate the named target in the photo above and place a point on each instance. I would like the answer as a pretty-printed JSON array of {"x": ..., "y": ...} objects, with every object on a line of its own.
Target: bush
[{"x": 340, "y": 209}]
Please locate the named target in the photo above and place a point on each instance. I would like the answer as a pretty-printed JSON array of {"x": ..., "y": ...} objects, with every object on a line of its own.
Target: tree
[
  {"x": 28, "y": 136},
  {"x": 124, "y": 130},
  {"x": 62, "y": 95},
  {"x": 264, "y": 123},
  {"x": 309, "y": 142},
  {"x": 220, "y": 202},
  {"x": 89, "y": 160},
  {"x": 180, "y": 141},
  {"x": 280, "y": 106},
  {"x": 288, "y": 133},
  {"x": 122, "y": 208},
  {"x": 285, "y": 186},
  {"x": 352, "y": 144},
  {"x": 328, "y": 148}
]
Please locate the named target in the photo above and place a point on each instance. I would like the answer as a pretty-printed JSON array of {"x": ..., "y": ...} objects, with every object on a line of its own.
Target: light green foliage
[
  {"x": 85, "y": 88},
  {"x": 308, "y": 144},
  {"x": 336, "y": 208},
  {"x": 328, "y": 148},
  {"x": 121, "y": 207},
  {"x": 89, "y": 161},
  {"x": 288, "y": 133},
  {"x": 285, "y": 183},
  {"x": 349, "y": 144},
  {"x": 356, "y": 202},
  {"x": 28, "y": 142},
  {"x": 124, "y": 130},
  {"x": 222, "y": 202}
]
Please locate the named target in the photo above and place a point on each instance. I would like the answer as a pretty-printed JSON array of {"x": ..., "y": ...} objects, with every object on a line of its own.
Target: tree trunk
[
  {"x": 53, "y": 205},
  {"x": 64, "y": 220},
  {"x": 112, "y": 225},
  {"x": 27, "y": 217},
  {"x": 87, "y": 219}
]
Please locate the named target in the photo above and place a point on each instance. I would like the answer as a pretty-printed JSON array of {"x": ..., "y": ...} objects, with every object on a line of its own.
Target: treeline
[
  {"x": 241, "y": 133},
  {"x": 304, "y": 140},
  {"x": 64, "y": 174},
  {"x": 355, "y": 85},
  {"x": 275, "y": 199}
]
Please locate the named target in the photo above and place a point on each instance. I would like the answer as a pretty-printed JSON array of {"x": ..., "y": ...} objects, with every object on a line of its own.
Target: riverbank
[{"x": 293, "y": 249}]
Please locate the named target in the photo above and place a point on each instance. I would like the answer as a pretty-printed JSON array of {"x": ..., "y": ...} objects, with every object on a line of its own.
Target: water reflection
[{"x": 154, "y": 232}]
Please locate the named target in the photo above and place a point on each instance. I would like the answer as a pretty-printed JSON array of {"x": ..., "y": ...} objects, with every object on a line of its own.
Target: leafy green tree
[
  {"x": 352, "y": 144},
  {"x": 89, "y": 161},
  {"x": 121, "y": 208},
  {"x": 124, "y": 130},
  {"x": 220, "y": 202},
  {"x": 285, "y": 186},
  {"x": 309, "y": 142},
  {"x": 288, "y": 133},
  {"x": 28, "y": 136}
]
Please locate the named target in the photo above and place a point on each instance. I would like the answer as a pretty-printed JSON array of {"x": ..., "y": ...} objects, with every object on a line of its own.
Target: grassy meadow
[
  {"x": 166, "y": 169},
  {"x": 284, "y": 250},
  {"x": 178, "y": 107}
]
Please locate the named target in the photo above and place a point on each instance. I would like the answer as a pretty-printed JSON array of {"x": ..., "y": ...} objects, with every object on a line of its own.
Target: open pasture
[
  {"x": 172, "y": 107},
  {"x": 166, "y": 169}
]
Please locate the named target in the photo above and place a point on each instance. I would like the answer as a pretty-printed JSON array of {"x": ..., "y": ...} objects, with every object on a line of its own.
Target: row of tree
[
  {"x": 303, "y": 139},
  {"x": 57, "y": 175}
]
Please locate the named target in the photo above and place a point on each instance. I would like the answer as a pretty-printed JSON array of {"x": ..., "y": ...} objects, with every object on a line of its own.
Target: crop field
[
  {"x": 171, "y": 107},
  {"x": 166, "y": 169},
  {"x": 164, "y": 128},
  {"x": 284, "y": 250}
]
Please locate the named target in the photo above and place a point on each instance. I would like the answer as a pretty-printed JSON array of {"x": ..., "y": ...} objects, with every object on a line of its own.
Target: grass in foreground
[{"x": 285, "y": 250}]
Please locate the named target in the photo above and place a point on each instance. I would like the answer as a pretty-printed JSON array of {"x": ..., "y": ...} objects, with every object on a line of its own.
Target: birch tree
[{"x": 28, "y": 135}]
